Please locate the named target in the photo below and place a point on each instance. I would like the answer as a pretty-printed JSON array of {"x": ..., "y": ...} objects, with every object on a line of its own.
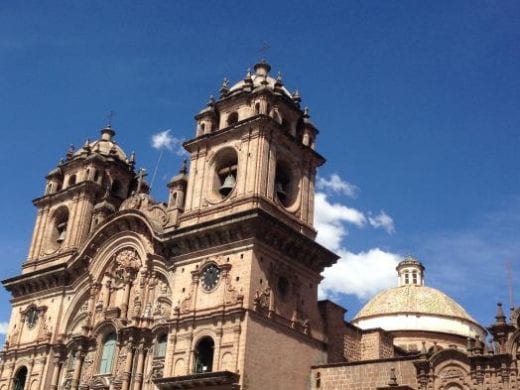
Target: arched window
[
  {"x": 160, "y": 347},
  {"x": 20, "y": 378},
  {"x": 406, "y": 278},
  {"x": 204, "y": 355},
  {"x": 116, "y": 188},
  {"x": 72, "y": 180},
  {"x": 59, "y": 232},
  {"x": 232, "y": 118},
  {"x": 107, "y": 354},
  {"x": 414, "y": 277}
]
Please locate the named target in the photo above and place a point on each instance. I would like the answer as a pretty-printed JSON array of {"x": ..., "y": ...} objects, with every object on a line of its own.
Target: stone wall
[
  {"x": 364, "y": 375},
  {"x": 376, "y": 344}
]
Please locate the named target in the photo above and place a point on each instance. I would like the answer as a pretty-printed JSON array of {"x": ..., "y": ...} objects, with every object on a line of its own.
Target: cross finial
[
  {"x": 264, "y": 49},
  {"x": 110, "y": 116}
]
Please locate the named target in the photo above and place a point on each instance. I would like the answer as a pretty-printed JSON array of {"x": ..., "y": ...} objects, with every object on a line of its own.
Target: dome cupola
[
  {"x": 411, "y": 272},
  {"x": 414, "y": 313}
]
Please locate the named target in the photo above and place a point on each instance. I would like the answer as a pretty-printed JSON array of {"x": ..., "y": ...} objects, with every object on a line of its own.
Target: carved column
[
  {"x": 80, "y": 356},
  {"x": 55, "y": 373},
  {"x": 236, "y": 336},
  {"x": 11, "y": 375},
  {"x": 138, "y": 381},
  {"x": 128, "y": 365}
]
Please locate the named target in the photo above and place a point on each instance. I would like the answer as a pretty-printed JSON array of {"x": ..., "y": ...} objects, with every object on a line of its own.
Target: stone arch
[
  {"x": 179, "y": 367},
  {"x": 226, "y": 362},
  {"x": 451, "y": 369},
  {"x": 71, "y": 316},
  {"x": 21, "y": 378},
  {"x": 513, "y": 344},
  {"x": 222, "y": 162},
  {"x": 105, "y": 326},
  {"x": 204, "y": 355},
  {"x": 120, "y": 241}
]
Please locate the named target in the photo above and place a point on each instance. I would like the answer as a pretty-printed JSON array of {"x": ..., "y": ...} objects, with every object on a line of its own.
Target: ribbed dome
[
  {"x": 413, "y": 299},
  {"x": 258, "y": 82},
  {"x": 105, "y": 146},
  {"x": 259, "y": 79}
]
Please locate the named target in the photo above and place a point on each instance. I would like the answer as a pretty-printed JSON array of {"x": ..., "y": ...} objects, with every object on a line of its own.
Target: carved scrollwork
[
  {"x": 144, "y": 203},
  {"x": 127, "y": 264}
]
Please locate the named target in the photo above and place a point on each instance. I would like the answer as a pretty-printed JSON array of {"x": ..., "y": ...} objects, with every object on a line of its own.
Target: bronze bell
[
  {"x": 228, "y": 185},
  {"x": 280, "y": 191},
  {"x": 62, "y": 230}
]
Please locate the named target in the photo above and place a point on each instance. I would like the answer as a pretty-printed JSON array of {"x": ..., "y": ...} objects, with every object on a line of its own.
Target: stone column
[
  {"x": 55, "y": 373},
  {"x": 127, "y": 376},
  {"x": 138, "y": 380},
  {"x": 80, "y": 356},
  {"x": 11, "y": 375}
]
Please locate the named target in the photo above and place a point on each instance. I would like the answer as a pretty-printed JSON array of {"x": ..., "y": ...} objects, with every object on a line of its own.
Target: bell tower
[
  {"x": 243, "y": 240},
  {"x": 83, "y": 190},
  {"x": 254, "y": 148}
]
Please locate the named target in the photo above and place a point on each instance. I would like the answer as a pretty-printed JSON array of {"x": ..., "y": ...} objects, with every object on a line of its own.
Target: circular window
[
  {"x": 283, "y": 286},
  {"x": 225, "y": 165},
  {"x": 32, "y": 317},
  {"x": 210, "y": 277}
]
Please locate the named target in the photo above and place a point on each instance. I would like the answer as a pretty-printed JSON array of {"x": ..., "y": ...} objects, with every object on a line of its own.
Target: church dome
[
  {"x": 414, "y": 307},
  {"x": 413, "y": 299},
  {"x": 105, "y": 146},
  {"x": 261, "y": 79}
]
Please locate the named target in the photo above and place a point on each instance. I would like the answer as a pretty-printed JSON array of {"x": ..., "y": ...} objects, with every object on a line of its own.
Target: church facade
[{"x": 217, "y": 287}]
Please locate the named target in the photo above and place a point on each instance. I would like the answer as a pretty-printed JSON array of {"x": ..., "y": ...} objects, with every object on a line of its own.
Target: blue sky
[{"x": 417, "y": 103}]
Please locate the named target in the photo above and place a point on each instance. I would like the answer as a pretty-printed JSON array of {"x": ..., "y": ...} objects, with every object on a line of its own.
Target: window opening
[
  {"x": 232, "y": 118},
  {"x": 72, "y": 180},
  {"x": 204, "y": 355},
  {"x": 107, "y": 355},
  {"x": 162, "y": 341},
  {"x": 21, "y": 377}
]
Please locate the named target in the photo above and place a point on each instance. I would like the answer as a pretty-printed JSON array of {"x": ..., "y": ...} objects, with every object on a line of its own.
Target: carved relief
[
  {"x": 261, "y": 299},
  {"x": 87, "y": 370},
  {"x": 157, "y": 370},
  {"x": 186, "y": 304},
  {"x": 127, "y": 264},
  {"x": 144, "y": 203},
  {"x": 231, "y": 295}
]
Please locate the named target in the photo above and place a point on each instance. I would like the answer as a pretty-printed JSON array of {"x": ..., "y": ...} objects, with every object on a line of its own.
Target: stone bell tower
[
  {"x": 254, "y": 148},
  {"x": 214, "y": 289},
  {"x": 85, "y": 187},
  {"x": 244, "y": 241}
]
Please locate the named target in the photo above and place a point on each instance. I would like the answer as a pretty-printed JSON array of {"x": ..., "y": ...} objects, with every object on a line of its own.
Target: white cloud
[
  {"x": 164, "y": 140},
  {"x": 361, "y": 274},
  {"x": 382, "y": 220},
  {"x": 3, "y": 327},
  {"x": 338, "y": 185},
  {"x": 330, "y": 221}
]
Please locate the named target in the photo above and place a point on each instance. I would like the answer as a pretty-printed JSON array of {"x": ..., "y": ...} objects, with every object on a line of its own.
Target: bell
[
  {"x": 228, "y": 185},
  {"x": 62, "y": 230},
  {"x": 280, "y": 191}
]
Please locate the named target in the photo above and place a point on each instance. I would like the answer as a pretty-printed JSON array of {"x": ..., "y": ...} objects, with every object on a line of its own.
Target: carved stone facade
[
  {"x": 215, "y": 289},
  {"x": 122, "y": 292}
]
